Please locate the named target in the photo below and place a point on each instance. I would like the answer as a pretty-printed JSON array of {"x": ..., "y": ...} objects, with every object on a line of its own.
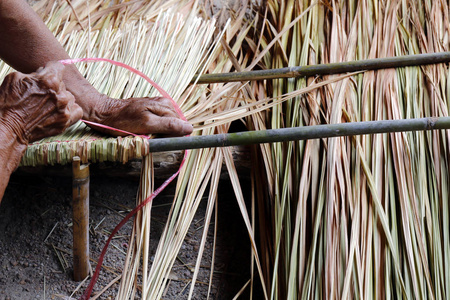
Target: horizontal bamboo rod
[
  {"x": 328, "y": 69},
  {"x": 297, "y": 133}
]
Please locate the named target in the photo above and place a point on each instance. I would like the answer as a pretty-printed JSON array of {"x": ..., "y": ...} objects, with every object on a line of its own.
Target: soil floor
[{"x": 36, "y": 239}]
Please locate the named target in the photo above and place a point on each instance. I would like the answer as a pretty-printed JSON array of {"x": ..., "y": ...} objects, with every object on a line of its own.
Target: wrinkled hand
[
  {"x": 140, "y": 116},
  {"x": 37, "y": 105}
]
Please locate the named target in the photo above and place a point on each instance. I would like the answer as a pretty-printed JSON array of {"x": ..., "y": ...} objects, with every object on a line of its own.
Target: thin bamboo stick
[
  {"x": 327, "y": 69},
  {"x": 297, "y": 133}
]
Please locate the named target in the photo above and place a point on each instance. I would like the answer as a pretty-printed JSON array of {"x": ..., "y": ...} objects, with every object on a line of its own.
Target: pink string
[
  {"x": 87, "y": 293},
  {"x": 112, "y": 128}
]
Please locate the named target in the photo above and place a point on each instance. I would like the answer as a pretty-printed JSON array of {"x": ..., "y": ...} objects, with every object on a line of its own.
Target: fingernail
[{"x": 187, "y": 127}]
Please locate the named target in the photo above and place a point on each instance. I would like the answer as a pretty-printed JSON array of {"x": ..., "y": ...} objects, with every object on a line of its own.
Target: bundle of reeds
[
  {"x": 354, "y": 217},
  {"x": 345, "y": 217},
  {"x": 170, "y": 48},
  {"x": 212, "y": 108}
]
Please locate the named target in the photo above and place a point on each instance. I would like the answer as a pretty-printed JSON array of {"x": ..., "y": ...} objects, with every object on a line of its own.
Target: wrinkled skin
[
  {"x": 32, "y": 107},
  {"x": 140, "y": 116},
  {"x": 37, "y": 105}
]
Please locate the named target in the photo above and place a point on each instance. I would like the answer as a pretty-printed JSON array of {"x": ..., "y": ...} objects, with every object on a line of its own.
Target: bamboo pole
[
  {"x": 80, "y": 202},
  {"x": 327, "y": 69},
  {"x": 297, "y": 133}
]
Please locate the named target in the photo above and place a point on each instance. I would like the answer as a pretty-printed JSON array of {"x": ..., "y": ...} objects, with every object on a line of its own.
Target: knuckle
[
  {"x": 163, "y": 100},
  {"x": 173, "y": 125},
  {"x": 15, "y": 88},
  {"x": 50, "y": 81},
  {"x": 15, "y": 81},
  {"x": 50, "y": 76}
]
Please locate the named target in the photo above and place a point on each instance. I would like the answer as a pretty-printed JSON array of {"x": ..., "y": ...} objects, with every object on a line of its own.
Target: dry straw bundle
[
  {"x": 354, "y": 217},
  {"x": 170, "y": 47},
  {"x": 348, "y": 217}
]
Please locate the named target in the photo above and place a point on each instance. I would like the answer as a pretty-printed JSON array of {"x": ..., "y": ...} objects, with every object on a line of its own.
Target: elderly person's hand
[
  {"x": 32, "y": 107},
  {"x": 37, "y": 105},
  {"x": 26, "y": 44},
  {"x": 137, "y": 115}
]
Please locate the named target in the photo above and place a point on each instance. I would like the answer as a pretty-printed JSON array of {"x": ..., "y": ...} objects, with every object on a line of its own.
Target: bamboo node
[{"x": 432, "y": 122}]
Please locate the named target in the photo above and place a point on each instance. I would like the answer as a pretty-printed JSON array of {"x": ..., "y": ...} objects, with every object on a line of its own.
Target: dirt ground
[{"x": 36, "y": 239}]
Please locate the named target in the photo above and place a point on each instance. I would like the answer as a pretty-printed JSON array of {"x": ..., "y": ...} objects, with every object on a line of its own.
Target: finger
[
  {"x": 66, "y": 104},
  {"x": 75, "y": 113},
  {"x": 54, "y": 119},
  {"x": 51, "y": 76},
  {"x": 161, "y": 110},
  {"x": 56, "y": 123},
  {"x": 165, "y": 102},
  {"x": 169, "y": 103},
  {"x": 14, "y": 86},
  {"x": 170, "y": 126},
  {"x": 63, "y": 99},
  {"x": 52, "y": 125}
]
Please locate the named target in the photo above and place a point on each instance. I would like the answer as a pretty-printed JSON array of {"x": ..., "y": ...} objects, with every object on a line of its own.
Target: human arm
[
  {"x": 11, "y": 151},
  {"x": 32, "y": 107},
  {"x": 27, "y": 44}
]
